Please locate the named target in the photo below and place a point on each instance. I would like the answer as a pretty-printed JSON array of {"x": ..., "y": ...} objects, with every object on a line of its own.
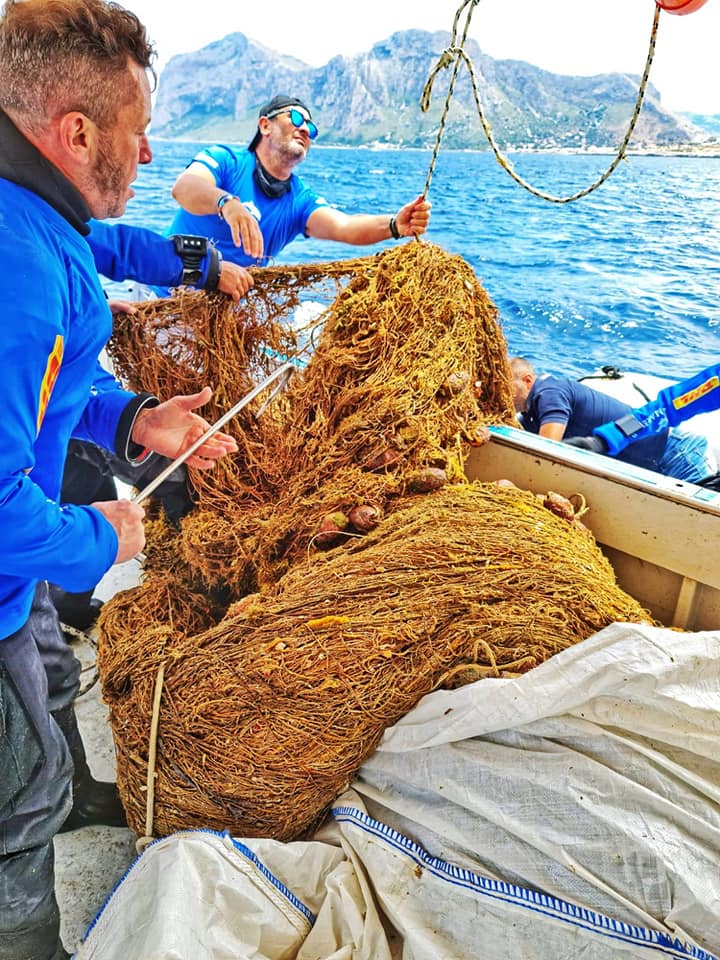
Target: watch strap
[
  {"x": 214, "y": 268},
  {"x": 192, "y": 251}
]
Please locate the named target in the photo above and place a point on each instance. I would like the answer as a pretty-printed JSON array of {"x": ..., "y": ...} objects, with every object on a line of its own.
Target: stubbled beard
[
  {"x": 292, "y": 149},
  {"x": 297, "y": 149},
  {"x": 110, "y": 178}
]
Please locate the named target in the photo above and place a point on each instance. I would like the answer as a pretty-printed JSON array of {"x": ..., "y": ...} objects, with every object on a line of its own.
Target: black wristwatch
[
  {"x": 192, "y": 251},
  {"x": 214, "y": 268}
]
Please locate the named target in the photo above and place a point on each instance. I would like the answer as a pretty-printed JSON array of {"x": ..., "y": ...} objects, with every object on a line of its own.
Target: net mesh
[{"x": 340, "y": 566}]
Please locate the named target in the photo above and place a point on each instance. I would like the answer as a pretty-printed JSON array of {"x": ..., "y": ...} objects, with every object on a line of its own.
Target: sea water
[{"x": 629, "y": 275}]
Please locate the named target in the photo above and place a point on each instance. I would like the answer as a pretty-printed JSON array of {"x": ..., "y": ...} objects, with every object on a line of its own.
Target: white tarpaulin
[{"x": 573, "y": 812}]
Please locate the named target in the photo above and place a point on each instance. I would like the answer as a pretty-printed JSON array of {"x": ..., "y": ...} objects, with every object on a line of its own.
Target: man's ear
[{"x": 77, "y": 135}]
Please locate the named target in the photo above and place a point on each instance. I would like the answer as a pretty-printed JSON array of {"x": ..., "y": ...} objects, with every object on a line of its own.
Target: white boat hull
[{"x": 657, "y": 532}]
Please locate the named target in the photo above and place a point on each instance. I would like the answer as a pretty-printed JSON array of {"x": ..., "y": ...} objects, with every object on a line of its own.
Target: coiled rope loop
[{"x": 455, "y": 54}]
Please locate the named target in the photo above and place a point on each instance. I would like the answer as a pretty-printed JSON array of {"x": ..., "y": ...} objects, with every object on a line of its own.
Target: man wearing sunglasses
[{"x": 251, "y": 203}]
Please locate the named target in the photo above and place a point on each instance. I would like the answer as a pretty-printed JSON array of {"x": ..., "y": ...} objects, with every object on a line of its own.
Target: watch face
[
  {"x": 192, "y": 246},
  {"x": 191, "y": 251}
]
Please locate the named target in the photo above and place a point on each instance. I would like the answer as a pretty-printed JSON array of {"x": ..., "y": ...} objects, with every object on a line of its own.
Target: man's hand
[
  {"x": 121, "y": 306},
  {"x": 126, "y": 518},
  {"x": 596, "y": 444},
  {"x": 196, "y": 191},
  {"x": 413, "y": 218},
  {"x": 244, "y": 228},
  {"x": 234, "y": 280},
  {"x": 172, "y": 427}
]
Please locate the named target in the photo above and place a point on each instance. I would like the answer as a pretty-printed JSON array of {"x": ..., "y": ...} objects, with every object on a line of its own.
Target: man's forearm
[
  {"x": 360, "y": 229},
  {"x": 197, "y": 195}
]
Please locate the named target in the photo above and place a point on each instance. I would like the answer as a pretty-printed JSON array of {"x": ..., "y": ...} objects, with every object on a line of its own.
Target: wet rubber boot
[{"x": 94, "y": 801}]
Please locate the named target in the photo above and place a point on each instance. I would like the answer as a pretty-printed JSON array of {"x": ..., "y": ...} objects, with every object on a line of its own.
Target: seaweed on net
[{"x": 284, "y": 662}]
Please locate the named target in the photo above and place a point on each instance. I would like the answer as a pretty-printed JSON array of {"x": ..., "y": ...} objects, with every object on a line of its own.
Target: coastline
[{"x": 710, "y": 150}]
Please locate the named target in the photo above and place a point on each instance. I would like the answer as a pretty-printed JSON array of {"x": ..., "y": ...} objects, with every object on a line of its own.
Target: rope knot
[{"x": 445, "y": 60}]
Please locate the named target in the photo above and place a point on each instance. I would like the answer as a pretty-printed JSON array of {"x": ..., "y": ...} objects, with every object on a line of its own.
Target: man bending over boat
[
  {"x": 560, "y": 408},
  {"x": 251, "y": 203}
]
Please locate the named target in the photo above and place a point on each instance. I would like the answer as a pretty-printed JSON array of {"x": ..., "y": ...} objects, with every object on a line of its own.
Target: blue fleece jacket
[
  {"x": 125, "y": 252},
  {"x": 55, "y": 323}
]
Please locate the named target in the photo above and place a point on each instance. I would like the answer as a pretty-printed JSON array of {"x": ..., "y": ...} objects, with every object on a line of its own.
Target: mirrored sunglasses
[{"x": 297, "y": 120}]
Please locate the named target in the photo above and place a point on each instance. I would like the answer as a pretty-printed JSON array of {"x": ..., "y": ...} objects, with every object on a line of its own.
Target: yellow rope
[{"x": 455, "y": 53}]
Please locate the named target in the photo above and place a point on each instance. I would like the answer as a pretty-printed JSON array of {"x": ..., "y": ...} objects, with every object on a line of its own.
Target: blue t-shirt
[
  {"x": 281, "y": 219},
  {"x": 581, "y": 409}
]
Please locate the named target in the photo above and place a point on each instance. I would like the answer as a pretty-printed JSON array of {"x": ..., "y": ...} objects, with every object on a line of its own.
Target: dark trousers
[
  {"x": 39, "y": 673},
  {"x": 88, "y": 478},
  {"x": 89, "y": 473}
]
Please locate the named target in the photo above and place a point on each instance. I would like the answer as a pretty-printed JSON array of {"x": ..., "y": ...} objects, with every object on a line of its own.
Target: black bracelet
[
  {"x": 392, "y": 226},
  {"x": 214, "y": 268}
]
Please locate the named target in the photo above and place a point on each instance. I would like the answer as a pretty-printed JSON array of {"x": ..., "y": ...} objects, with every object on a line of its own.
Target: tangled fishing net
[{"x": 340, "y": 566}]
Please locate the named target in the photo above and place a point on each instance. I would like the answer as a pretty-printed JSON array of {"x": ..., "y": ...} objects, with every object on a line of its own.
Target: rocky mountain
[
  {"x": 709, "y": 124},
  {"x": 373, "y": 98}
]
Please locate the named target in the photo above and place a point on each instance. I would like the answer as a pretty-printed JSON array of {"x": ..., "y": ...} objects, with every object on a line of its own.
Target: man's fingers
[
  {"x": 192, "y": 401},
  {"x": 199, "y": 463},
  {"x": 252, "y": 238},
  {"x": 213, "y": 449}
]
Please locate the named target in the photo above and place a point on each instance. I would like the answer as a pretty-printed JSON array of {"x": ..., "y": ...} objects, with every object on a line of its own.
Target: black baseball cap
[{"x": 273, "y": 108}]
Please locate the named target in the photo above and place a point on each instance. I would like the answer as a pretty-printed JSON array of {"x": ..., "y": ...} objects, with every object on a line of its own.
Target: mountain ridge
[{"x": 373, "y": 99}]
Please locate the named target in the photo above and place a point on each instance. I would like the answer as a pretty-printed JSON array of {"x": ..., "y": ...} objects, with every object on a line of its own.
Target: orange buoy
[{"x": 680, "y": 6}]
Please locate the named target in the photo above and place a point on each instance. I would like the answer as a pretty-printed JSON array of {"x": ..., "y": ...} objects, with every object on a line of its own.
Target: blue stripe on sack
[
  {"x": 245, "y": 851},
  {"x": 521, "y": 896},
  {"x": 278, "y": 884}
]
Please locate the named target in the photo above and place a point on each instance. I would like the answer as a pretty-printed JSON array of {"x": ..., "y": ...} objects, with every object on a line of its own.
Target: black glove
[{"x": 596, "y": 444}]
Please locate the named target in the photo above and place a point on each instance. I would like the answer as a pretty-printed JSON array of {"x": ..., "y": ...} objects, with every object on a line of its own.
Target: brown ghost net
[{"x": 340, "y": 566}]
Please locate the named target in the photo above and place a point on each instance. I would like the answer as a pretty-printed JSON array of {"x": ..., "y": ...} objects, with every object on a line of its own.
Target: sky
[{"x": 579, "y": 37}]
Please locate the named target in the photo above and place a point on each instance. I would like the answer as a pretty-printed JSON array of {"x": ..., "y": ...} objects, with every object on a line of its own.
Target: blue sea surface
[{"x": 629, "y": 275}]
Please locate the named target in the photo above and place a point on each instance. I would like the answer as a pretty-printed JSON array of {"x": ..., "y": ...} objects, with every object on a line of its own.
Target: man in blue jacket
[
  {"x": 125, "y": 252},
  {"x": 74, "y": 106},
  {"x": 563, "y": 409}
]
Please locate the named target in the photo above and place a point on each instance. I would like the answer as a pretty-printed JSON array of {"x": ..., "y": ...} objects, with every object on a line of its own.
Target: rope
[
  {"x": 455, "y": 53},
  {"x": 146, "y": 840},
  {"x": 579, "y": 505}
]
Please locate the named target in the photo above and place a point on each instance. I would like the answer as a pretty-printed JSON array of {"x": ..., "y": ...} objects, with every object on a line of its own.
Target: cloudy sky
[{"x": 580, "y": 37}]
